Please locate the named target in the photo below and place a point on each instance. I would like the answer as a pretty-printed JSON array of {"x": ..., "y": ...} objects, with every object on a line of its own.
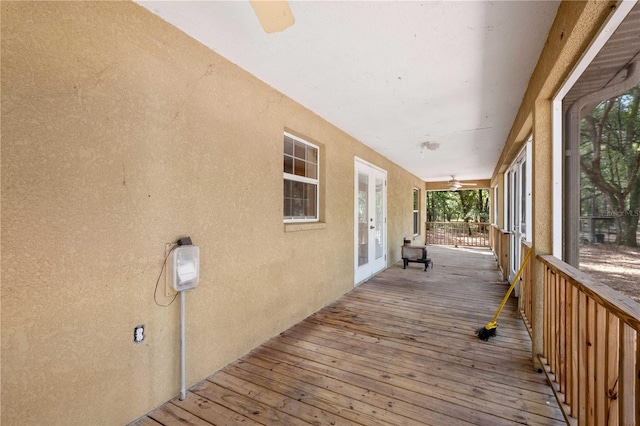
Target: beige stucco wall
[{"x": 119, "y": 135}]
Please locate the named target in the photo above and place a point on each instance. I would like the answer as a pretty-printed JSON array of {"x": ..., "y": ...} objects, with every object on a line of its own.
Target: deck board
[{"x": 400, "y": 349}]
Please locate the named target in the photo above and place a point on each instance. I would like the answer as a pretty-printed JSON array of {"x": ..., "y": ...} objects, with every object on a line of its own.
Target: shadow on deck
[{"x": 400, "y": 349}]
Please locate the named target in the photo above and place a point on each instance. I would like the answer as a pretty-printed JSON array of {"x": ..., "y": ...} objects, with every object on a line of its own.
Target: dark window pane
[
  {"x": 298, "y": 208},
  {"x": 299, "y": 167},
  {"x": 288, "y": 210},
  {"x": 288, "y": 146},
  {"x": 297, "y": 189},
  {"x": 312, "y": 171},
  {"x": 311, "y": 200},
  {"x": 287, "y": 188},
  {"x": 300, "y": 200},
  {"x": 312, "y": 155},
  {"x": 300, "y": 150},
  {"x": 288, "y": 164}
]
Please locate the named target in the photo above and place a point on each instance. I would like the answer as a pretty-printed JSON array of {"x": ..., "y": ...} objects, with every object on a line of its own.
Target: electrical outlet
[
  {"x": 138, "y": 333},
  {"x": 168, "y": 287}
]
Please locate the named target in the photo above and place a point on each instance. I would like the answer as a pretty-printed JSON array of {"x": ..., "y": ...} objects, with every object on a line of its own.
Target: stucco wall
[{"x": 119, "y": 135}]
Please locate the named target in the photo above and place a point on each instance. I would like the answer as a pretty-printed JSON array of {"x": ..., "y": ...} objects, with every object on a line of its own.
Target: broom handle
[{"x": 513, "y": 284}]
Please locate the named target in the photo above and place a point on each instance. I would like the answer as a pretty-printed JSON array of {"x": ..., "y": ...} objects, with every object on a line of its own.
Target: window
[
  {"x": 416, "y": 211},
  {"x": 495, "y": 206},
  {"x": 523, "y": 197},
  {"x": 301, "y": 180},
  {"x": 518, "y": 206}
]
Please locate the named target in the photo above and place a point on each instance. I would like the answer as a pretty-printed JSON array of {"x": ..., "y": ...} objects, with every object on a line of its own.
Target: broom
[{"x": 489, "y": 330}]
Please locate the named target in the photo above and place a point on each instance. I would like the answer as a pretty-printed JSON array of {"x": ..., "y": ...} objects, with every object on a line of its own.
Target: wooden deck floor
[{"x": 398, "y": 350}]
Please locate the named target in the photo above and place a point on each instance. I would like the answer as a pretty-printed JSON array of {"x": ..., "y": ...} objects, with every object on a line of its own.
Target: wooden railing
[
  {"x": 591, "y": 347},
  {"x": 474, "y": 234},
  {"x": 499, "y": 243}
]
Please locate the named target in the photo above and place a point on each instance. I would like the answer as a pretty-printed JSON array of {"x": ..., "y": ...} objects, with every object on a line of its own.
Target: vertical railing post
[{"x": 628, "y": 376}]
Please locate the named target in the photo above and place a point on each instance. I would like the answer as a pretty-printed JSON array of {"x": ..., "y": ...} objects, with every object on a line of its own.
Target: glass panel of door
[{"x": 363, "y": 218}]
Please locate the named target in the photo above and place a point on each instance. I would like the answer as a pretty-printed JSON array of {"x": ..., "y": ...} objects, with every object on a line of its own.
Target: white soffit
[{"x": 391, "y": 74}]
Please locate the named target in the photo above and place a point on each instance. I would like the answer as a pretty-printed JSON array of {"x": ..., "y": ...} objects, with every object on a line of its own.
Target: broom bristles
[{"x": 484, "y": 333}]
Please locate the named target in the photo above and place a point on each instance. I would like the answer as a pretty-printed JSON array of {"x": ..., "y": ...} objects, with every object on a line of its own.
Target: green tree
[
  {"x": 442, "y": 206},
  {"x": 447, "y": 206},
  {"x": 610, "y": 160}
]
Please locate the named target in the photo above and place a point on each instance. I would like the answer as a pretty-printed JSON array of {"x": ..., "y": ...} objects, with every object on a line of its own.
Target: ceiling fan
[
  {"x": 273, "y": 15},
  {"x": 455, "y": 184}
]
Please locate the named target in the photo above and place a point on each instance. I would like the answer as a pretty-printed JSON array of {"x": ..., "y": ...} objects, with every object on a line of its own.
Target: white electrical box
[{"x": 184, "y": 267}]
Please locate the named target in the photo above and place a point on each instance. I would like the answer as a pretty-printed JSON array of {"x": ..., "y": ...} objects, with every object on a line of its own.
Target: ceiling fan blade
[{"x": 273, "y": 15}]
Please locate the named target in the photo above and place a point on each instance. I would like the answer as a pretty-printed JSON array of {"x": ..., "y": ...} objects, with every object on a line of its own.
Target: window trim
[
  {"x": 494, "y": 221},
  {"x": 416, "y": 212},
  {"x": 304, "y": 179}
]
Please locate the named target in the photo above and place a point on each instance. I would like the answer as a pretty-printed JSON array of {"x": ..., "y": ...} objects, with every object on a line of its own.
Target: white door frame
[
  {"x": 517, "y": 195},
  {"x": 374, "y": 246},
  {"x": 515, "y": 204}
]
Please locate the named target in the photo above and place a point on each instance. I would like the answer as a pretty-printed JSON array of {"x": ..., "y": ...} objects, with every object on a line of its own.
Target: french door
[
  {"x": 370, "y": 220},
  {"x": 518, "y": 209},
  {"x": 514, "y": 226}
]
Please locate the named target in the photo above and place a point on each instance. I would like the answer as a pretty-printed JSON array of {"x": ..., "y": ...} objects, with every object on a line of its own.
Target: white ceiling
[{"x": 392, "y": 74}]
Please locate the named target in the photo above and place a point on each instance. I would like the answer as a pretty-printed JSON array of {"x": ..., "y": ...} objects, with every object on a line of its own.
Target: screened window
[
  {"x": 301, "y": 180},
  {"x": 495, "y": 206},
  {"x": 416, "y": 211},
  {"x": 523, "y": 197}
]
